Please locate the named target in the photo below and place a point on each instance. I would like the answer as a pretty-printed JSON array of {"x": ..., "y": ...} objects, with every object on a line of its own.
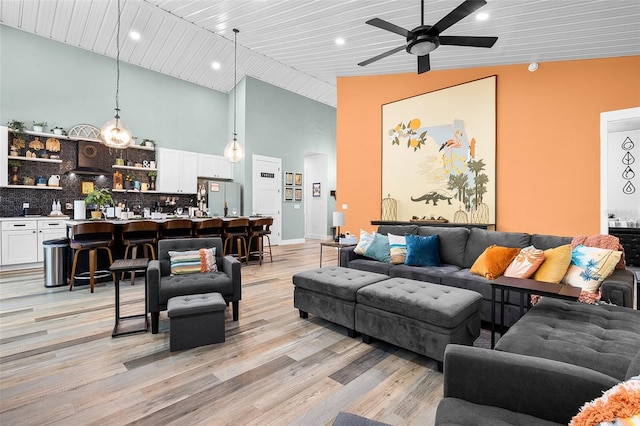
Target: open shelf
[
  {"x": 149, "y": 169},
  {"x": 39, "y": 160},
  {"x": 135, "y": 191},
  {"x": 59, "y": 188}
]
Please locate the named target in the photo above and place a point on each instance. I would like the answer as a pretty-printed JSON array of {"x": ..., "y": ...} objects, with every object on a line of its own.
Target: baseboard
[{"x": 296, "y": 241}]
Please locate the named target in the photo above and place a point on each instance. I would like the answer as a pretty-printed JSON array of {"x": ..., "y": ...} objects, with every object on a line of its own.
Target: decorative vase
[
  {"x": 38, "y": 129},
  {"x": 127, "y": 184},
  {"x": 152, "y": 183},
  {"x": 57, "y": 132},
  {"x": 96, "y": 214}
]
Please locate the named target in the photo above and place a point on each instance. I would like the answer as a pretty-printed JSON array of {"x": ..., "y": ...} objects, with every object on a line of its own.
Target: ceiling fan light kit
[{"x": 423, "y": 40}]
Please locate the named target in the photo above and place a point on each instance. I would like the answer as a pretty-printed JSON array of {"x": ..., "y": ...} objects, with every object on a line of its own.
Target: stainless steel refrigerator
[{"x": 220, "y": 191}]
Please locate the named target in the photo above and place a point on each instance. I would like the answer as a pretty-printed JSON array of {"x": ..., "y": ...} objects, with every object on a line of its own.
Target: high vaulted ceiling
[{"x": 291, "y": 43}]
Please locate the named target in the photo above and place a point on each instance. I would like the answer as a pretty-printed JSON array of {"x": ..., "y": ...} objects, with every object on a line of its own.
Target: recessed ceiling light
[
  {"x": 340, "y": 41},
  {"x": 134, "y": 35},
  {"x": 215, "y": 65},
  {"x": 483, "y": 16}
]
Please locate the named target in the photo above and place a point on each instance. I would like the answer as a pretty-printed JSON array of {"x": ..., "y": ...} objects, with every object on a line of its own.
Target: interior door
[{"x": 266, "y": 199}]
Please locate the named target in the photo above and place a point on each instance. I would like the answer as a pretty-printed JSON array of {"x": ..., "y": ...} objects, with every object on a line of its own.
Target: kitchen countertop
[
  {"x": 5, "y": 219},
  {"x": 123, "y": 221}
]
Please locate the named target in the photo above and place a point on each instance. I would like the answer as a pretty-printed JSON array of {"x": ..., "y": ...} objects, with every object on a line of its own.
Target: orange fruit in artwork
[
  {"x": 413, "y": 143},
  {"x": 414, "y": 124}
]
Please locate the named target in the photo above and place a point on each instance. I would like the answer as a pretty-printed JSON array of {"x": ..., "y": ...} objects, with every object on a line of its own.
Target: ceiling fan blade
[
  {"x": 424, "y": 64},
  {"x": 382, "y": 55},
  {"x": 377, "y": 22},
  {"x": 468, "y": 41},
  {"x": 460, "y": 12}
]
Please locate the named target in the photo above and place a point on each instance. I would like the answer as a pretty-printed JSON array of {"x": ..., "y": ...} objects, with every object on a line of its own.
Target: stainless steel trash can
[{"x": 55, "y": 262}]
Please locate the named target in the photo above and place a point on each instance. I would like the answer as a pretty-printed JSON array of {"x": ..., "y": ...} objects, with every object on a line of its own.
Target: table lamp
[{"x": 338, "y": 221}]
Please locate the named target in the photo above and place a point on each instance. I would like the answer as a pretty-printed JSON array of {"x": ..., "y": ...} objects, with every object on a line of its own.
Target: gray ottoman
[
  {"x": 330, "y": 293},
  {"x": 419, "y": 316},
  {"x": 195, "y": 320}
]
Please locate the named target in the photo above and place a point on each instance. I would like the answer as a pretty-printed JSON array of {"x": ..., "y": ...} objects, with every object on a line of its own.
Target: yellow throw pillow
[
  {"x": 555, "y": 265},
  {"x": 493, "y": 261}
]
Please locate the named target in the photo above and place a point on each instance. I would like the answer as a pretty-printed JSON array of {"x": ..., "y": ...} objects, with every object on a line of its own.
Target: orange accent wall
[{"x": 548, "y": 139}]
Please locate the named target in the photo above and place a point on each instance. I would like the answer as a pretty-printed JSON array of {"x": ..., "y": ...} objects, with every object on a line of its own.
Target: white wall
[{"x": 315, "y": 171}]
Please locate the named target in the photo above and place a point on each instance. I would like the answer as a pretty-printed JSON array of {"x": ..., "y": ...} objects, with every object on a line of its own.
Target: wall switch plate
[{"x": 25, "y": 205}]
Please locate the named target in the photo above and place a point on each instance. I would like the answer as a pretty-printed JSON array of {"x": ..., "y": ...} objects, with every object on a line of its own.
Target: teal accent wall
[
  {"x": 44, "y": 80},
  {"x": 279, "y": 123}
]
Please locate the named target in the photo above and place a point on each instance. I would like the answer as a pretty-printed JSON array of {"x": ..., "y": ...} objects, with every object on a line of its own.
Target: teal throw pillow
[
  {"x": 379, "y": 249},
  {"x": 422, "y": 250}
]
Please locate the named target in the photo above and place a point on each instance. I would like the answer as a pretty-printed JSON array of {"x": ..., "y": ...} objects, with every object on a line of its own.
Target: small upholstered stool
[
  {"x": 195, "y": 320},
  {"x": 330, "y": 293}
]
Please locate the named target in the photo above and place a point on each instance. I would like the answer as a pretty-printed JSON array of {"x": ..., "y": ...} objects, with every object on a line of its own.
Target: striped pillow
[
  {"x": 397, "y": 248},
  {"x": 193, "y": 261}
]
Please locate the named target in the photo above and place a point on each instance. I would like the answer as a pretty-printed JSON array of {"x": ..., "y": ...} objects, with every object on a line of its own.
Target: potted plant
[
  {"x": 19, "y": 131},
  {"x": 99, "y": 198},
  {"x": 39, "y": 126},
  {"x": 152, "y": 180},
  {"x": 59, "y": 131},
  {"x": 14, "y": 166},
  {"x": 148, "y": 142}
]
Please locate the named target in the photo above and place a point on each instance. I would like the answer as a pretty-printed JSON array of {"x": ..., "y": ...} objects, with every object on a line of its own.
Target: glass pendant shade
[
  {"x": 233, "y": 152},
  {"x": 115, "y": 134}
]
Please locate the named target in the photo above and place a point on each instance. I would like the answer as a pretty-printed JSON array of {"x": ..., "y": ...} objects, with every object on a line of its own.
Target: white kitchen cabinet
[
  {"x": 214, "y": 167},
  {"x": 49, "y": 229},
  {"x": 177, "y": 171},
  {"x": 19, "y": 242}
]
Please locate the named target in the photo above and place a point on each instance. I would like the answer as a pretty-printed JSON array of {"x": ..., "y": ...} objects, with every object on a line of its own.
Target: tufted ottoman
[
  {"x": 195, "y": 320},
  {"x": 330, "y": 293},
  {"x": 419, "y": 316}
]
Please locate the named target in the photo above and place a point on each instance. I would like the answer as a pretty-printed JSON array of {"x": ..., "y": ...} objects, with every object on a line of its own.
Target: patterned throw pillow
[
  {"x": 422, "y": 250},
  {"x": 379, "y": 249},
  {"x": 555, "y": 265},
  {"x": 525, "y": 263},
  {"x": 620, "y": 405},
  {"x": 590, "y": 266},
  {"x": 365, "y": 240},
  {"x": 493, "y": 261},
  {"x": 397, "y": 248},
  {"x": 193, "y": 261}
]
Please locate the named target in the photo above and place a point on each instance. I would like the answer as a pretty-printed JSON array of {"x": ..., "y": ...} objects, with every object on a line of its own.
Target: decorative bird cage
[
  {"x": 460, "y": 216},
  {"x": 389, "y": 208}
]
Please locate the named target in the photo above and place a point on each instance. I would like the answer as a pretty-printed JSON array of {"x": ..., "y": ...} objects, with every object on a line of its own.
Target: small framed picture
[
  {"x": 298, "y": 194},
  {"x": 288, "y": 178},
  {"x": 288, "y": 194},
  {"x": 86, "y": 186},
  {"x": 316, "y": 189},
  {"x": 298, "y": 179}
]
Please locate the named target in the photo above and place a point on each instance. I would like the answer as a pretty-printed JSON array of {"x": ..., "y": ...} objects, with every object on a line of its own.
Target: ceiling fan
[{"x": 425, "y": 39}]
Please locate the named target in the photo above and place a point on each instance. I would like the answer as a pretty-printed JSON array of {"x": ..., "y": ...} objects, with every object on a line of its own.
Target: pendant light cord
[
  {"x": 235, "y": 79},
  {"x": 118, "y": 62}
]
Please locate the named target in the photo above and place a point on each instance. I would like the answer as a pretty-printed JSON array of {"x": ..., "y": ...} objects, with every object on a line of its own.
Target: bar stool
[
  {"x": 259, "y": 229},
  {"x": 176, "y": 228},
  {"x": 92, "y": 236},
  {"x": 208, "y": 228},
  {"x": 142, "y": 233},
  {"x": 236, "y": 230}
]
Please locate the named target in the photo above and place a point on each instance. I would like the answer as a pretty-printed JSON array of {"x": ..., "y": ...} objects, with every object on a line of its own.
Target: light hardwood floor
[{"x": 60, "y": 365}]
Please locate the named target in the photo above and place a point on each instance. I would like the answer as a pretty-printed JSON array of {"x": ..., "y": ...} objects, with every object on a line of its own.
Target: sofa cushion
[
  {"x": 458, "y": 412},
  {"x": 379, "y": 249},
  {"x": 634, "y": 367},
  {"x": 179, "y": 285},
  {"x": 555, "y": 264},
  {"x": 371, "y": 265},
  {"x": 493, "y": 261},
  {"x": 603, "y": 338},
  {"x": 544, "y": 242},
  {"x": 397, "y": 229},
  {"x": 422, "y": 250},
  {"x": 431, "y": 274},
  {"x": 453, "y": 242},
  {"x": 480, "y": 239}
]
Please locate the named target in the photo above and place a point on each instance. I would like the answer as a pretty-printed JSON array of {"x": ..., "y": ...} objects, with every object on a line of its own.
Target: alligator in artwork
[{"x": 434, "y": 197}]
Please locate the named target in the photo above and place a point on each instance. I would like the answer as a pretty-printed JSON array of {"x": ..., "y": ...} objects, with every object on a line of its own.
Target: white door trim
[{"x": 276, "y": 230}]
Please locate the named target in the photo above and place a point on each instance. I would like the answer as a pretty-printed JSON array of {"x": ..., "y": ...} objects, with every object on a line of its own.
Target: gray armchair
[{"x": 162, "y": 286}]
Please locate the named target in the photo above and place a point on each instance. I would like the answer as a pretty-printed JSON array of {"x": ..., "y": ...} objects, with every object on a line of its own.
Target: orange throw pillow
[{"x": 493, "y": 261}]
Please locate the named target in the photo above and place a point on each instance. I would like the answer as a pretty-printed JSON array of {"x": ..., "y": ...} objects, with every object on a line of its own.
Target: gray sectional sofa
[{"x": 459, "y": 248}]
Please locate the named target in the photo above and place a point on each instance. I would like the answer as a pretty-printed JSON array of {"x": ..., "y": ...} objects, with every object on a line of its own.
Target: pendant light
[
  {"x": 233, "y": 152},
  {"x": 114, "y": 133}
]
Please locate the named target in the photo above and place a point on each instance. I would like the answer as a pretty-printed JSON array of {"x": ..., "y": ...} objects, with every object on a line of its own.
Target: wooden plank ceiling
[{"x": 291, "y": 43}]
